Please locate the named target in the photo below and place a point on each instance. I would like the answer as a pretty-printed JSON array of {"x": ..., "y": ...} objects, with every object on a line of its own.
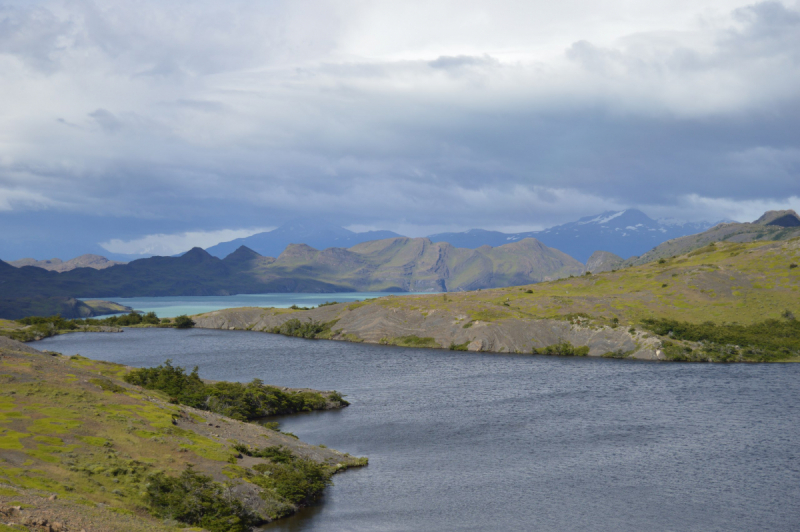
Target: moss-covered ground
[{"x": 71, "y": 427}]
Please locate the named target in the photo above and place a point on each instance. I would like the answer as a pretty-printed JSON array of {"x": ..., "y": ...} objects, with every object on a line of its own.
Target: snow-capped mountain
[{"x": 624, "y": 233}]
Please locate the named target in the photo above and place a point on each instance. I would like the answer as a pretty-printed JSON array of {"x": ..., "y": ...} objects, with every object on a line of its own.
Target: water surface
[{"x": 472, "y": 441}]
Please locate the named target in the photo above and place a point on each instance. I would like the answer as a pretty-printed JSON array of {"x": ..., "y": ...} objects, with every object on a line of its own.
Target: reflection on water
[{"x": 473, "y": 441}]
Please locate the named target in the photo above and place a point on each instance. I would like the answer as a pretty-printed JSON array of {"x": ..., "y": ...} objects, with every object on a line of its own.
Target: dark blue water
[{"x": 471, "y": 441}]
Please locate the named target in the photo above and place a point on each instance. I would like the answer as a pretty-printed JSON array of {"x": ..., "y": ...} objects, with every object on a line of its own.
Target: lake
[
  {"x": 461, "y": 441},
  {"x": 171, "y": 306}
]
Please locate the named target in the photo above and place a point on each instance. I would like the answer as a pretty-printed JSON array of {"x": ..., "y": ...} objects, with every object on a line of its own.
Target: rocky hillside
[
  {"x": 773, "y": 225},
  {"x": 605, "y": 312},
  {"x": 57, "y": 265},
  {"x": 418, "y": 265}
]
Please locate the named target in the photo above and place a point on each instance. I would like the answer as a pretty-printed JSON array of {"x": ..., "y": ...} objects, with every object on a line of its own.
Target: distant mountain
[
  {"x": 419, "y": 265},
  {"x": 315, "y": 233},
  {"x": 395, "y": 264},
  {"x": 57, "y": 265},
  {"x": 773, "y": 225},
  {"x": 624, "y": 233}
]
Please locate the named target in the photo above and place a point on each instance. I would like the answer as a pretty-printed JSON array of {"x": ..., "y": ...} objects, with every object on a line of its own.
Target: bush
[
  {"x": 197, "y": 500},
  {"x": 458, "y": 347},
  {"x": 563, "y": 349},
  {"x": 184, "y": 322},
  {"x": 244, "y": 402},
  {"x": 758, "y": 342},
  {"x": 296, "y": 480}
]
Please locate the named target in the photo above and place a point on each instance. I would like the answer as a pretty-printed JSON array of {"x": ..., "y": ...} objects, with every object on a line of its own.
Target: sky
[{"x": 148, "y": 127}]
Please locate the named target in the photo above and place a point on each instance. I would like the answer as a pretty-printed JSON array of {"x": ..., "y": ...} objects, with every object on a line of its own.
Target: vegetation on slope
[
  {"x": 767, "y": 341},
  {"x": 38, "y": 327},
  {"x": 120, "y": 457},
  {"x": 244, "y": 402},
  {"x": 725, "y": 283}
]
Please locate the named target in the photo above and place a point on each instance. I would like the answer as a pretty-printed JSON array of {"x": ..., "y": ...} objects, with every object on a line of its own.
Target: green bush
[
  {"x": 303, "y": 329},
  {"x": 764, "y": 341},
  {"x": 458, "y": 347},
  {"x": 564, "y": 349},
  {"x": 197, "y": 500},
  {"x": 244, "y": 402},
  {"x": 296, "y": 480},
  {"x": 184, "y": 322}
]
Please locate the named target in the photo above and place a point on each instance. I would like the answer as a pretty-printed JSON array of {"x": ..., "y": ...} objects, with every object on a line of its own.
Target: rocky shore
[{"x": 377, "y": 324}]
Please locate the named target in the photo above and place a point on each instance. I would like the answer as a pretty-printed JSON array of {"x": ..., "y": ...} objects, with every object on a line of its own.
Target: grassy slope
[
  {"x": 744, "y": 283},
  {"x": 63, "y": 432},
  {"x": 729, "y": 232}
]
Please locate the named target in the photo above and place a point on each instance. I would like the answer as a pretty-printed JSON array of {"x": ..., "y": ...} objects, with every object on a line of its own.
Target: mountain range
[
  {"x": 315, "y": 233},
  {"x": 57, "y": 265},
  {"x": 623, "y": 233},
  {"x": 394, "y": 264}
]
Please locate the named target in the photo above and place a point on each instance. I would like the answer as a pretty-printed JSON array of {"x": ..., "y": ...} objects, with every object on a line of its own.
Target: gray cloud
[{"x": 207, "y": 119}]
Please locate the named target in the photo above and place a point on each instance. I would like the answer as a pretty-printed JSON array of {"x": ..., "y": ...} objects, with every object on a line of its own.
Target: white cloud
[{"x": 161, "y": 244}]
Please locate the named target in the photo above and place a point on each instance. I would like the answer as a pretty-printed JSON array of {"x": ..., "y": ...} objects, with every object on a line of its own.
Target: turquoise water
[{"x": 169, "y": 307}]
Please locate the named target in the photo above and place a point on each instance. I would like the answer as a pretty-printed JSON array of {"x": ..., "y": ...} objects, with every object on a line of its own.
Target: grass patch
[{"x": 410, "y": 341}]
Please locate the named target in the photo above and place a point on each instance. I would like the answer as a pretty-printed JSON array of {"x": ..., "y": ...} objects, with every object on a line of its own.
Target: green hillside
[{"x": 723, "y": 282}]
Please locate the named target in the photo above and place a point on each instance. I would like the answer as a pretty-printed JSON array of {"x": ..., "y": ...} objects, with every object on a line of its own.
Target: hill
[
  {"x": 57, "y": 265},
  {"x": 772, "y": 225},
  {"x": 397, "y": 264},
  {"x": 82, "y": 447},
  {"x": 624, "y": 233},
  {"x": 709, "y": 304}
]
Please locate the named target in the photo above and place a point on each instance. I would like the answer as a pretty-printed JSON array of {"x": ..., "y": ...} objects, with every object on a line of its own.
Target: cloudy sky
[{"x": 152, "y": 126}]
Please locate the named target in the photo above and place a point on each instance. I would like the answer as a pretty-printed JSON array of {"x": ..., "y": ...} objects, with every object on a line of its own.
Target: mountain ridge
[{"x": 396, "y": 264}]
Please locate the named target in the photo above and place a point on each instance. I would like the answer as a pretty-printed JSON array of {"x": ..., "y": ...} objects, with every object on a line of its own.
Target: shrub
[
  {"x": 197, "y": 500},
  {"x": 458, "y": 347},
  {"x": 184, "y": 322},
  {"x": 769, "y": 340},
  {"x": 303, "y": 329},
  {"x": 528, "y": 291},
  {"x": 328, "y": 303},
  {"x": 244, "y": 402},
  {"x": 662, "y": 261},
  {"x": 296, "y": 480},
  {"x": 792, "y": 266},
  {"x": 564, "y": 349}
]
